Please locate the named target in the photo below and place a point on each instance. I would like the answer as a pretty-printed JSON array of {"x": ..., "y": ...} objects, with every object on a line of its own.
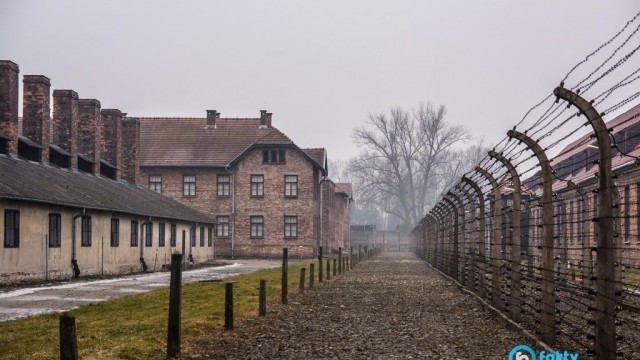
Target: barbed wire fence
[{"x": 546, "y": 229}]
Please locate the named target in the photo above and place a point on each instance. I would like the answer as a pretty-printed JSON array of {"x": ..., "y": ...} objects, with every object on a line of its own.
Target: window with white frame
[
  {"x": 257, "y": 185},
  {"x": 257, "y": 226},
  {"x": 223, "y": 226},
  {"x": 290, "y": 226},
  {"x": 155, "y": 183},
  {"x": 189, "y": 185},
  {"x": 291, "y": 185},
  {"x": 224, "y": 185}
]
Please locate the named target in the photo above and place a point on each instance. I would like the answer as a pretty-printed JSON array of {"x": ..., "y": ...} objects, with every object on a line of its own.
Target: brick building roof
[
  {"x": 318, "y": 154},
  {"x": 34, "y": 182},
  {"x": 191, "y": 142},
  {"x": 576, "y": 160},
  {"x": 619, "y": 123}
]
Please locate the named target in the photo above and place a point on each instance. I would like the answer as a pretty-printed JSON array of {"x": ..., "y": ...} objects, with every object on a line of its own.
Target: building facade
[{"x": 264, "y": 191}]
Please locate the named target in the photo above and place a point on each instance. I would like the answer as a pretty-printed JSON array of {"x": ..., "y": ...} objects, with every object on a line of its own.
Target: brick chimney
[
  {"x": 9, "y": 84},
  {"x": 212, "y": 118},
  {"x": 64, "y": 125},
  {"x": 265, "y": 118},
  {"x": 111, "y": 129},
  {"x": 89, "y": 131},
  {"x": 130, "y": 167},
  {"x": 36, "y": 112}
]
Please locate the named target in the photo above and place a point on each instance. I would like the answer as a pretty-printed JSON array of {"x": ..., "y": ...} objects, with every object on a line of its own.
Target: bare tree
[{"x": 405, "y": 156}]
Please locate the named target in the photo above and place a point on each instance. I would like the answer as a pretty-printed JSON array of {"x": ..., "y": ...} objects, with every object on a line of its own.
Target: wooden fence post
[
  {"x": 548, "y": 308},
  {"x": 301, "y": 283},
  {"x": 285, "y": 275},
  {"x": 68, "y": 339},
  {"x": 175, "y": 290},
  {"x": 262, "y": 299},
  {"x": 605, "y": 302},
  {"x": 320, "y": 264},
  {"x": 311, "y": 275},
  {"x": 228, "y": 306}
]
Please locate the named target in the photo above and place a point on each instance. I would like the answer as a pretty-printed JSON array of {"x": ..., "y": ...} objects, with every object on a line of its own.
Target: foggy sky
[{"x": 321, "y": 67}]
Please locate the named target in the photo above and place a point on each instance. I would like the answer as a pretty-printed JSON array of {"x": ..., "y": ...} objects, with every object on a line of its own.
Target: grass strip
[{"x": 135, "y": 327}]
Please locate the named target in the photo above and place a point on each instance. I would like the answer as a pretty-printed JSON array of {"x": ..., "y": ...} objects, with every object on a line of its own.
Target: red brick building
[{"x": 263, "y": 190}]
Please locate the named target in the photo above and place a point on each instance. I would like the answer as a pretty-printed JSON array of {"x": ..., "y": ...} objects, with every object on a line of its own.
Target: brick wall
[
  {"x": 273, "y": 205},
  {"x": 328, "y": 217}
]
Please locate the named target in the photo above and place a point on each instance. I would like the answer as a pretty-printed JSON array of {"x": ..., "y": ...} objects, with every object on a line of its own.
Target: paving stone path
[{"x": 390, "y": 307}]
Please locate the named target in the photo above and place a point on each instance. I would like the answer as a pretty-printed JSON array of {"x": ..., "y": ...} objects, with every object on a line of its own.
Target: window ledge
[{"x": 256, "y": 237}]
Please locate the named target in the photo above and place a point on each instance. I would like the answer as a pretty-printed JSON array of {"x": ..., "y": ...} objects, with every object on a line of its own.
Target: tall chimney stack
[
  {"x": 64, "y": 124},
  {"x": 111, "y": 124},
  {"x": 9, "y": 87},
  {"x": 89, "y": 131},
  {"x": 265, "y": 118},
  {"x": 130, "y": 167},
  {"x": 212, "y": 117},
  {"x": 36, "y": 112}
]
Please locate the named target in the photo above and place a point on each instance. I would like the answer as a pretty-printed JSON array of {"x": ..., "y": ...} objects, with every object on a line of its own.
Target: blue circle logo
[{"x": 522, "y": 352}]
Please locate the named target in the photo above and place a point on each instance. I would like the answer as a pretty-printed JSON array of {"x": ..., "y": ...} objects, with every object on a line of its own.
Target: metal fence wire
[{"x": 546, "y": 227}]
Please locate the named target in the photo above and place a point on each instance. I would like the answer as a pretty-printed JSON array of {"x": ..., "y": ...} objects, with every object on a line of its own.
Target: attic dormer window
[{"x": 273, "y": 156}]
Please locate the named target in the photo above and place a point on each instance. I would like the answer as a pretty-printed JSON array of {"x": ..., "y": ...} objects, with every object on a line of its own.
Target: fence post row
[
  {"x": 516, "y": 238},
  {"x": 437, "y": 236},
  {"x": 548, "y": 316},
  {"x": 605, "y": 347}
]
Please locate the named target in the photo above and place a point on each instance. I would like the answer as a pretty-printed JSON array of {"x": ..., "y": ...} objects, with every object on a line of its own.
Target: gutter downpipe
[
  {"x": 233, "y": 208},
  {"x": 74, "y": 260},
  {"x": 192, "y": 239},
  {"x": 143, "y": 240}
]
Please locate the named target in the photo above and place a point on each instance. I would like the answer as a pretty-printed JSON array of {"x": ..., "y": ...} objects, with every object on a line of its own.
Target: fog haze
[{"x": 320, "y": 66}]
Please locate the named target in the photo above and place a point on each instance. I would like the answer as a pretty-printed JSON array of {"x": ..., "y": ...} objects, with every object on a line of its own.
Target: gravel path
[{"x": 392, "y": 306}]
